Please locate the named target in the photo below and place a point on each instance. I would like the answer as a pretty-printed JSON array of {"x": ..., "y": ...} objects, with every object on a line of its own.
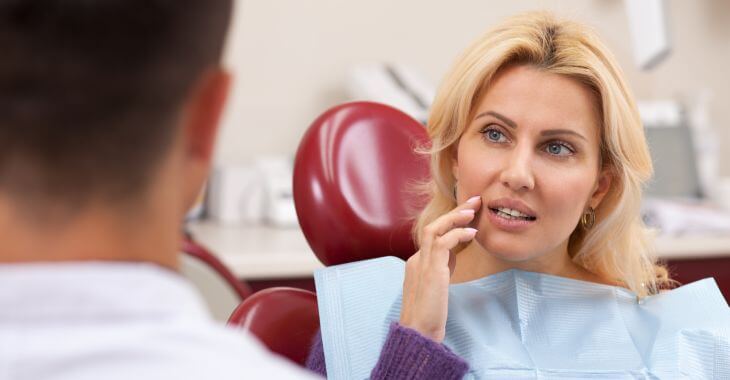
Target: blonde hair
[{"x": 618, "y": 247}]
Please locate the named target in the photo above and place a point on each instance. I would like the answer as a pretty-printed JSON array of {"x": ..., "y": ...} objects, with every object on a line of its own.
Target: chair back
[
  {"x": 355, "y": 177},
  {"x": 220, "y": 289},
  {"x": 284, "y": 319},
  {"x": 354, "y": 191}
]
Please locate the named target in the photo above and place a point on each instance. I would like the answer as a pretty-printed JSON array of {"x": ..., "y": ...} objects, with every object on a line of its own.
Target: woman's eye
[
  {"x": 494, "y": 135},
  {"x": 558, "y": 149}
]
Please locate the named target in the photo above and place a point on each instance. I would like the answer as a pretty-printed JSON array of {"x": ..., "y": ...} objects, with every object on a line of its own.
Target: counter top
[{"x": 264, "y": 252}]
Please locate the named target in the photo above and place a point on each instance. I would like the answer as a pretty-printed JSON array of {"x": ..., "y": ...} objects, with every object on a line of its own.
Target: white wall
[{"x": 290, "y": 57}]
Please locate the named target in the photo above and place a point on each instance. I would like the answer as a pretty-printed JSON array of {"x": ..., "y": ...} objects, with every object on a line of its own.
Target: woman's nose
[{"x": 517, "y": 173}]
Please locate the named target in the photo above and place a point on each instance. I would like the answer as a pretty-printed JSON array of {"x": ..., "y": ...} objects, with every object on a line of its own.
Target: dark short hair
[{"x": 90, "y": 90}]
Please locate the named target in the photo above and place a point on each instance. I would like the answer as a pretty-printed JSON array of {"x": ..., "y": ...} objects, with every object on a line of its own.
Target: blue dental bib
[{"x": 524, "y": 325}]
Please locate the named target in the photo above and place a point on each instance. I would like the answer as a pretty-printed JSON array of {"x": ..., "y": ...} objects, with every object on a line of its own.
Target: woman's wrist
[{"x": 434, "y": 334}]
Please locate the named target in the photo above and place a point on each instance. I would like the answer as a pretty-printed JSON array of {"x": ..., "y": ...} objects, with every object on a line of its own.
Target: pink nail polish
[
  {"x": 472, "y": 231},
  {"x": 468, "y": 211}
]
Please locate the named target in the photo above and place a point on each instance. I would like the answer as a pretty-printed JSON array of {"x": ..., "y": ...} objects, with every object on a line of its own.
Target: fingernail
[
  {"x": 473, "y": 199},
  {"x": 472, "y": 231},
  {"x": 468, "y": 211}
]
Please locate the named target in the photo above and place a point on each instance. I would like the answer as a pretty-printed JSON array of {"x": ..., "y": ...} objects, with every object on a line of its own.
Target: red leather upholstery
[
  {"x": 190, "y": 247},
  {"x": 353, "y": 190},
  {"x": 353, "y": 182},
  {"x": 284, "y": 319}
]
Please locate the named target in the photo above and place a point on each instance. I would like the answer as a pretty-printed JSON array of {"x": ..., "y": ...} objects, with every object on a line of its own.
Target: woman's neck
[{"x": 474, "y": 262}]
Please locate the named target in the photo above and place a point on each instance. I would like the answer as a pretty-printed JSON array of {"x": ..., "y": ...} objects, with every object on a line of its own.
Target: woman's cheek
[{"x": 566, "y": 196}]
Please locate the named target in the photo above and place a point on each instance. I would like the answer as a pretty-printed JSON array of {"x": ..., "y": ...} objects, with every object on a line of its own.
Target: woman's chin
[{"x": 505, "y": 250}]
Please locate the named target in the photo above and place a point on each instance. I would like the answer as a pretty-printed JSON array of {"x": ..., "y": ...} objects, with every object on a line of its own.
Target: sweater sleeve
[
  {"x": 406, "y": 354},
  {"x": 315, "y": 360}
]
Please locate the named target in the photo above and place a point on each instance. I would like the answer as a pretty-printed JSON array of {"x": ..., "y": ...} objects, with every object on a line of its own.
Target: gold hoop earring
[{"x": 588, "y": 219}]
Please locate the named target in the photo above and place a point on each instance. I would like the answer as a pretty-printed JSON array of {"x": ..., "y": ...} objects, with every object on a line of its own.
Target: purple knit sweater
[{"x": 406, "y": 354}]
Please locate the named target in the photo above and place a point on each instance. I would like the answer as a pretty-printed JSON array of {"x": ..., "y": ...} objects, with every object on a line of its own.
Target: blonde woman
[{"x": 538, "y": 159}]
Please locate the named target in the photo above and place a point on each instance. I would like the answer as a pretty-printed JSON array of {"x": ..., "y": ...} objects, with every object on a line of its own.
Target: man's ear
[
  {"x": 201, "y": 118},
  {"x": 605, "y": 178},
  {"x": 204, "y": 111}
]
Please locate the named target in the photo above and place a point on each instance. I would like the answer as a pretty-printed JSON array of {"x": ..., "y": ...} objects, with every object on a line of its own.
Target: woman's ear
[
  {"x": 605, "y": 177},
  {"x": 455, "y": 162}
]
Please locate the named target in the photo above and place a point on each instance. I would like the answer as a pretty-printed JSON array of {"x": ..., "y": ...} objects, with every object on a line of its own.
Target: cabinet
[{"x": 266, "y": 256}]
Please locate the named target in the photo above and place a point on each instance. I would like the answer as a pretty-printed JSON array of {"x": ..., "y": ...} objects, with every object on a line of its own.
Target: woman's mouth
[{"x": 511, "y": 214}]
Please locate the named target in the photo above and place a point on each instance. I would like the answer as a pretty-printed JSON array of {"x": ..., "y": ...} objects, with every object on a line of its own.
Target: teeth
[{"x": 513, "y": 213}]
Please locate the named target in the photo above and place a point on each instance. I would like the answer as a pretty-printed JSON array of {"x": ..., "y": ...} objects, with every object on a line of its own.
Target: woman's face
[{"x": 532, "y": 154}]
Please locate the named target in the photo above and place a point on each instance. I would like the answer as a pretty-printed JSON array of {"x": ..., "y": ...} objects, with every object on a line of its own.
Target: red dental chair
[
  {"x": 354, "y": 178},
  {"x": 219, "y": 288}
]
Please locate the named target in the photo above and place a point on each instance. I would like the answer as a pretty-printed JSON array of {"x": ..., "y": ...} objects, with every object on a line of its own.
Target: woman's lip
[
  {"x": 513, "y": 204},
  {"x": 508, "y": 225}
]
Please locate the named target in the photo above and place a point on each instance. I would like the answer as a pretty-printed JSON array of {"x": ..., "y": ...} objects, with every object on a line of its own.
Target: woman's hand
[{"x": 428, "y": 271}]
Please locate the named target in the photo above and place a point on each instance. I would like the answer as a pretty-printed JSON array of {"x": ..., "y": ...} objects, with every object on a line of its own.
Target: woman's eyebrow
[
  {"x": 501, "y": 117},
  {"x": 510, "y": 123},
  {"x": 553, "y": 132}
]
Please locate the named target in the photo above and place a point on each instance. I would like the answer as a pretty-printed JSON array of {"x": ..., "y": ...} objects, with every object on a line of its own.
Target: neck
[
  {"x": 475, "y": 262},
  {"x": 97, "y": 232}
]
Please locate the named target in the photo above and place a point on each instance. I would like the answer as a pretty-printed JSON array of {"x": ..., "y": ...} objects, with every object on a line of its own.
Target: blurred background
[{"x": 293, "y": 59}]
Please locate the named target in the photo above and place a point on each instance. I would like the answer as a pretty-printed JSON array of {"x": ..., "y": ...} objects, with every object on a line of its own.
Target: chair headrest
[
  {"x": 284, "y": 319},
  {"x": 354, "y": 182}
]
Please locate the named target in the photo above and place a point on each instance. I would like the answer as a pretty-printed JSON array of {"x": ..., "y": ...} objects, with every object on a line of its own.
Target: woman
[{"x": 538, "y": 159}]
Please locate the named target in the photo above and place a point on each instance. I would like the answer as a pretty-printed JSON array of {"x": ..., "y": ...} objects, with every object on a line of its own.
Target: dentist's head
[{"x": 108, "y": 115}]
